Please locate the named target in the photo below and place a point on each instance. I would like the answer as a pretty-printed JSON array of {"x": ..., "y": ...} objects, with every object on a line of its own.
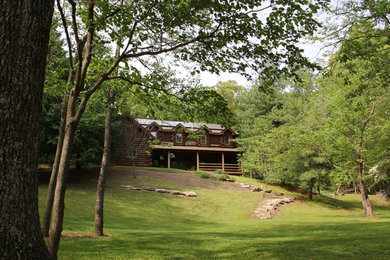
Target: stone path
[
  {"x": 272, "y": 206},
  {"x": 173, "y": 192}
]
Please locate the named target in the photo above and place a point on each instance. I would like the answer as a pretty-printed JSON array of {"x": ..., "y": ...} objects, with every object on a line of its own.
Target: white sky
[{"x": 313, "y": 51}]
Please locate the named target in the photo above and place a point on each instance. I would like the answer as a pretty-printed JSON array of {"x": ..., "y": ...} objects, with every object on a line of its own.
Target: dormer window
[
  {"x": 226, "y": 139},
  {"x": 179, "y": 137},
  {"x": 202, "y": 139},
  {"x": 154, "y": 134}
]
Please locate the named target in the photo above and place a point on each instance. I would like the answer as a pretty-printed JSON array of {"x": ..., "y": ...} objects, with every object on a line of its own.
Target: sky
[{"x": 313, "y": 51}]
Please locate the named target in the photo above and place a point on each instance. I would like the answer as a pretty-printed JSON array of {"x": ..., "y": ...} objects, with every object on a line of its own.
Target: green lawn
[{"x": 218, "y": 224}]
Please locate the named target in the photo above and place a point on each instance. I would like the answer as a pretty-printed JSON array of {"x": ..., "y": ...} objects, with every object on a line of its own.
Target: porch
[{"x": 197, "y": 158}]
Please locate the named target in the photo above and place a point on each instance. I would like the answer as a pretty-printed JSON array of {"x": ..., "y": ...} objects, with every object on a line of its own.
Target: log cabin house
[{"x": 173, "y": 144}]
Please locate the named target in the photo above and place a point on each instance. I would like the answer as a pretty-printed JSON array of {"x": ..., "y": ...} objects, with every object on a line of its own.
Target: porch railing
[{"x": 227, "y": 168}]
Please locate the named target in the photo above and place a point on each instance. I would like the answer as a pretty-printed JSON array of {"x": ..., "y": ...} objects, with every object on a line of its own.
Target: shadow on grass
[
  {"x": 335, "y": 203},
  {"x": 324, "y": 241}
]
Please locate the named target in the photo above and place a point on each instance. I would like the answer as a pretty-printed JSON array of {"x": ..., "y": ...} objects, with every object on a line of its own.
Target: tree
[
  {"x": 279, "y": 134},
  {"x": 104, "y": 165},
  {"x": 214, "y": 35},
  {"x": 24, "y": 36},
  {"x": 357, "y": 126},
  {"x": 231, "y": 92}
]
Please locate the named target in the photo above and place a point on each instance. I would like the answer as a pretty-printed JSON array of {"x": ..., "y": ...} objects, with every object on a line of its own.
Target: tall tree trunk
[
  {"x": 104, "y": 166},
  {"x": 59, "y": 194},
  {"x": 24, "y": 35},
  {"x": 368, "y": 211},
  {"x": 54, "y": 172}
]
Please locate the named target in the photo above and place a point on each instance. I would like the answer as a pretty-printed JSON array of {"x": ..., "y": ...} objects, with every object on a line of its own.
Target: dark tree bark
[
  {"x": 54, "y": 172},
  {"x": 104, "y": 166},
  {"x": 24, "y": 36}
]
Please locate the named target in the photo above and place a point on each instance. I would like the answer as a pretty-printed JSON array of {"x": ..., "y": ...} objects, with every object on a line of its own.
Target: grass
[{"x": 218, "y": 224}]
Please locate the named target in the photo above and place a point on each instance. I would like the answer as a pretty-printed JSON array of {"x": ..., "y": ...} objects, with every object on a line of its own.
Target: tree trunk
[
  {"x": 311, "y": 185},
  {"x": 265, "y": 189},
  {"x": 59, "y": 194},
  {"x": 318, "y": 189},
  {"x": 310, "y": 195},
  {"x": 24, "y": 36},
  {"x": 104, "y": 166},
  {"x": 368, "y": 211},
  {"x": 54, "y": 172},
  {"x": 355, "y": 186}
]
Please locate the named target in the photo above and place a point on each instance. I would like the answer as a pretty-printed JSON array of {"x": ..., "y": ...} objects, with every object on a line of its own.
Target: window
[
  {"x": 133, "y": 153},
  {"x": 154, "y": 134},
  {"x": 202, "y": 139},
  {"x": 179, "y": 137},
  {"x": 226, "y": 139}
]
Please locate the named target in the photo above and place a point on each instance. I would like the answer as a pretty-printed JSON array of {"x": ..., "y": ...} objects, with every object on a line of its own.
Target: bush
[
  {"x": 221, "y": 177},
  {"x": 218, "y": 171},
  {"x": 203, "y": 174}
]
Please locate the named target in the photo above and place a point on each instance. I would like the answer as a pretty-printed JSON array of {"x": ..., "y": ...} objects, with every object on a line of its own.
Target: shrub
[
  {"x": 218, "y": 171},
  {"x": 221, "y": 177},
  {"x": 205, "y": 175}
]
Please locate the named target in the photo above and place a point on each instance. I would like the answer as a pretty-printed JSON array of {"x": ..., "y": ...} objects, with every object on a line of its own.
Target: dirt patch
[{"x": 183, "y": 179}]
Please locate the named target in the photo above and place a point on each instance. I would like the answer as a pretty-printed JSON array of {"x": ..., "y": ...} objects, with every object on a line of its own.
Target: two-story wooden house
[{"x": 173, "y": 144}]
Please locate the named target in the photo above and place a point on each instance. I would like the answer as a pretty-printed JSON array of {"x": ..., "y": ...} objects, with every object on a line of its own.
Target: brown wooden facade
[{"x": 172, "y": 144}]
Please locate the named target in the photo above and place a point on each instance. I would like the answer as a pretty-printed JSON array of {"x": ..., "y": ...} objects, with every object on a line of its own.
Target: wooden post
[
  {"x": 223, "y": 162},
  {"x": 169, "y": 159},
  {"x": 197, "y": 161}
]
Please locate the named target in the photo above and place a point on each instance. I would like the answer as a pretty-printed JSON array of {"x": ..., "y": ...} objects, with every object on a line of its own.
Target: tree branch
[{"x": 63, "y": 19}]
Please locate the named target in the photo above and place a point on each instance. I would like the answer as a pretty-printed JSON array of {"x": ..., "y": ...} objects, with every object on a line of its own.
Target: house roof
[
  {"x": 196, "y": 148},
  {"x": 190, "y": 125}
]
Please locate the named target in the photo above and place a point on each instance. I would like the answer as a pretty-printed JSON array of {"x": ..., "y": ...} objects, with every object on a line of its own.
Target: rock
[
  {"x": 176, "y": 192},
  {"x": 382, "y": 194},
  {"x": 230, "y": 180},
  {"x": 245, "y": 185},
  {"x": 173, "y": 192},
  {"x": 277, "y": 193},
  {"x": 162, "y": 190},
  {"x": 271, "y": 206},
  {"x": 256, "y": 189},
  {"x": 291, "y": 198},
  {"x": 126, "y": 186},
  {"x": 190, "y": 194},
  {"x": 268, "y": 191}
]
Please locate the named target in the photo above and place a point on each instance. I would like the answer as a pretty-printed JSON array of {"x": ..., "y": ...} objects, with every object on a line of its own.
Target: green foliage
[
  {"x": 280, "y": 136},
  {"x": 205, "y": 175},
  {"x": 218, "y": 171},
  {"x": 221, "y": 177},
  {"x": 231, "y": 92},
  {"x": 190, "y": 104},
  {"x": 378, "y": 177}
]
